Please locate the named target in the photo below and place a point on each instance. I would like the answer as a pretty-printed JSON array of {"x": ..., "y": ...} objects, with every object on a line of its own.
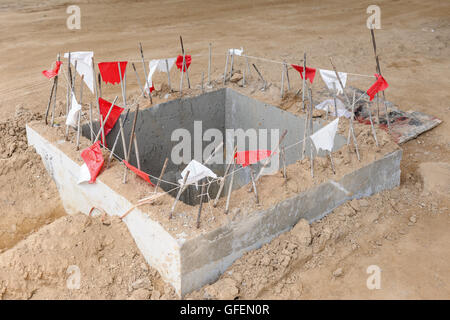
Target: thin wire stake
[
  {"x": 145, "y": 73},
  {"x": 201, "y": 205},
  {"x": 180, "y": 191},
  {"x": 161, "y": 174},
  {"x": 230, "y": 188},
  {"x": 225, "y": 72},
  {"x": 137, "y": 78},
  {"x": 168, "y": 76}
]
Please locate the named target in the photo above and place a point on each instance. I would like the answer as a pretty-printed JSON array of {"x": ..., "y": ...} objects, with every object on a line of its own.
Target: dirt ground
[{"x": 402, "y": 231}]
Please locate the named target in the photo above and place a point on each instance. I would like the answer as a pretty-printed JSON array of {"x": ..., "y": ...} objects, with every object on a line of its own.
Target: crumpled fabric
[
  {"x": 138, "y": 172},
  {"x": 246, "y": 158},
  {"x": 332, "y": 82},
  {"x": 84, "y": 174},
  {"x": 378, "y": 86},
  {"x": 179, "y": 62},
  {"x": 310, "y": 72},
  {"x": 197, "y": 172},
  {"x": 93, "y": 158},
  {"x": 72, "y": 116},
  {"x": 84, "y": 66},
  {"x": 113, "y": 116},
  {"x": 158, "y": 65},
  {"x": 324, "y": 137},
  {"x": 110, "y": 71},
  {"x": 329, "y": 103},
  {"x": 52, "y": 73},
  {"x": 236, "y": 52}
]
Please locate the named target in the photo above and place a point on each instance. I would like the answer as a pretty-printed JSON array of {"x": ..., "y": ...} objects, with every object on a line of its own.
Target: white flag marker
[
  {"x": 330, "y": 79},
  {"x": 84, "y": 175},
  {"x": 237, "y": 52},
  {"x": 329, "y": 104},
  {"x": 324, "y": 137},
  {"x": 158, "y": 65},
  {"x": 72, "y": 116},
  {"x": 84, "y": 66},
  {"x": 197, "y": 172}
]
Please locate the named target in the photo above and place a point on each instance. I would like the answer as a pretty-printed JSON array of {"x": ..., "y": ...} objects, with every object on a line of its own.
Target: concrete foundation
[{"x": 188, "y": 264}]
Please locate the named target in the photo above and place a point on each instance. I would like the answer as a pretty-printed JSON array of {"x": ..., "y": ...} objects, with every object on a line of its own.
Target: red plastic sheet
[
  {"x": 245, "y": 158},
  {"x": 113, "y": 117},
  {"x": 179, "y": 62},
  {"x": 93, "y": 158},
  {"x": 51, "y": 73},
  {"x": 378, "y": 86},
  {"x": 110, "y": 71},
  {"x": 310, "y": 72},
  {"x": 138, "y": 172}
]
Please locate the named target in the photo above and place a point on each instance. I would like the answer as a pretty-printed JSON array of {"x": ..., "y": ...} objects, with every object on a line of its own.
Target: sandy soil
[{"x": 403, "y": 231}]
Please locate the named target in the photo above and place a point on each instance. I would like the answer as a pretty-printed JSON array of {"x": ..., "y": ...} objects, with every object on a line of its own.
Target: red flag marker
[
  {"x": 113, "y": 117},
  {"x": 110, "y": 71},
  {"x": 51, "y": 73},
  {"x": 138, "y": 172},
  {"x": 93, "y": 158},
  {"x": 310, "y": 72},
  {"x": 378, "y": 86},
  {"x": 245, "y": 158},
  {"x": 179, "y": 62}
]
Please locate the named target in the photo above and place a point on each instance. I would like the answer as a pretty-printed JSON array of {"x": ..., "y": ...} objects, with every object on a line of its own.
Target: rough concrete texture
[
  {"x": 206, "y": 257},
  {"x": 223, "y": 109}
]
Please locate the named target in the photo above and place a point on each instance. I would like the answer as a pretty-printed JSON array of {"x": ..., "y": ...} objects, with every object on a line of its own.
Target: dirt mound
[
  {"x": 45, "y": 265},
  {"x": 29, "y": 196}
]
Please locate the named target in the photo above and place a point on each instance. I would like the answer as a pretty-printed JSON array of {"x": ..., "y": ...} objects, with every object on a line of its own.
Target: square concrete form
[{"x": 188, "y": 263}]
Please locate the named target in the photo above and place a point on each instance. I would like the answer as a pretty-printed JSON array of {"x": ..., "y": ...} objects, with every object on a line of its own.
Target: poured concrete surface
[{"x": 188, "y": 264}]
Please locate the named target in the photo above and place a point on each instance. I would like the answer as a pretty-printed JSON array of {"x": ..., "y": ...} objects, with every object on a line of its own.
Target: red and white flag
[
  {"x": 158, "y": 65},
  {"x": 378, "y": 86},
  {"x": 93, "y": 160},
  {"x": 110, "y": 71},
  {"x": 179, "y": 63},
  {"x": 310, "y": 72},
  {"x": 51, "y": 73}
]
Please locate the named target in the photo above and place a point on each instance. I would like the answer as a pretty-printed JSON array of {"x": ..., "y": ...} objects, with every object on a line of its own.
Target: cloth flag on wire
[
  {"x": 246, "y": 158},
  {"x": 84, "y": 66},
  {"x": 329, "y": 105},
  {"x": 138, "y": 172},
  {"x": 93, "y": 159},
  {"x": 110, "y": 71},
  {"x": 159, "y": 65},
  {"x": 236, "y": 52},
  {"x": 324, "y": 137},
  {"x": 113, "y": 116},
  {"x": 72, "y": 116},
  {"x": 332, "y": 82},
  {"x": 54, "y": 72},
  {"x": 378, "y": 86},
  {"x": 179, "y": 63},
  {"x": 310, "y": 72},
  {"x": 197, "y": 171}
]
